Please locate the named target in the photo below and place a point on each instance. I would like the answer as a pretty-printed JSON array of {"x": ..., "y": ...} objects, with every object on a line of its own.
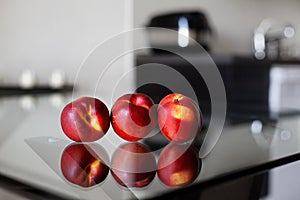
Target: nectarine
[
  {"x": 178, "y": 165},
  {"x": 84, "y": 165},
  {"x": 133, "y": 116},
  {"x": 85, "y": 119},
  {"x": 133, "y": 165},
  {"x": 179, "y": 118}
]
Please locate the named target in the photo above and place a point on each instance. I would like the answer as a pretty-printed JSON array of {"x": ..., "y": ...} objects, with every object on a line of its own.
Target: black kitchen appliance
[{"x": 193, "y": 25}]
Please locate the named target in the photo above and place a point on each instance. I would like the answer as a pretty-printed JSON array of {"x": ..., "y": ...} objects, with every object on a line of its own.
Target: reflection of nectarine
[
  {"x": 133, "y": 116},
  {"x": 178, "y": 165},
  {"x": 84, "y": 164},
  {"x": 179, "y": 117},
  {"x": 85, "y": 120},
  {"x": 133, "y": 165}
]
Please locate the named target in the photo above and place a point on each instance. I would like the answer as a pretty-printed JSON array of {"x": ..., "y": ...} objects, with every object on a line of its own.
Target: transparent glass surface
[{"x": 32, "y": 144}]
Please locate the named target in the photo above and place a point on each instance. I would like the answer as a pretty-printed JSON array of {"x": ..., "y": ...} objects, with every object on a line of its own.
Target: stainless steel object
[
  {"x": 284, "y": 90},
  {"x": 267, "y": 37}
]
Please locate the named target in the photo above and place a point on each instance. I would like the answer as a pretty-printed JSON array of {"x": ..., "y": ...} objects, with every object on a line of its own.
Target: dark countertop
[
  {"x": 247, "y": 80},
  {"x": 218, "y": 59},
  {"x": 43, "y": 89}
]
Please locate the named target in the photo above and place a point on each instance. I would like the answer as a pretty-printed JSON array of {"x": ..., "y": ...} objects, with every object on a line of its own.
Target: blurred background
[
  {"x": 233, "y": 22},
  {"x": 56, "y": 36}
]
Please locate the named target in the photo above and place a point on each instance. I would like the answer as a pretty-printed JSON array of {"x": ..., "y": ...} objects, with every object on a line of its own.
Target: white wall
[
  {"x": 56, "y": 34},
  {"x": 233, "y": 20},
  {"x": 284, "y": 182}
]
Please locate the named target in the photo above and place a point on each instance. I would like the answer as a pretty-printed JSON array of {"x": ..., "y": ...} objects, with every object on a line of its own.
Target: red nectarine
[
  {"x": 84, "y": 164},
  {"x": 85, "y": 119},
  {"x": 133, "y": 116},
  {"x": 179, "y": 118},
  {"x": 133, "y": 165},
  {"x": 178, "y": 165}
]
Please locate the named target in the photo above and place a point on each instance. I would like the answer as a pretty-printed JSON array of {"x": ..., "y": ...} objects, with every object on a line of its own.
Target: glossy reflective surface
[{"x": 32, "y": 144}]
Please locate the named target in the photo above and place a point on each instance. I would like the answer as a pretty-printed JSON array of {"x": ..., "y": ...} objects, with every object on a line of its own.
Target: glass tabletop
[{"x": 32, "y": 148}]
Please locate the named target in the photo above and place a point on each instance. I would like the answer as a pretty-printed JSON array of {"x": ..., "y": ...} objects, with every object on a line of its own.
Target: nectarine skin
[
  {"x": 133, "y": 116},
  {"x": 133, "y": 165},
  {"x": 179, "y": 118},
  {"x": 82, "y": 165},
  {"x": 178, "y": 165},
  {"x": 85, "y": 119}
]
